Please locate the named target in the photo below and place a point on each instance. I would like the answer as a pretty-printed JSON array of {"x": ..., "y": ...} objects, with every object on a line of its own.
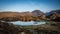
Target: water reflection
[{"x": 28, "y": 23}]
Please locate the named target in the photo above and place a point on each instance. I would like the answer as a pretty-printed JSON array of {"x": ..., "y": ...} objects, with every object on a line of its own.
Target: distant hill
[
  {"x": 53, "y": 11},
  {"x": 54, "y": 15},
  {"x": 57, "y": 11},
  {"x": 10, "y": 14},
  {"x": 37, "y": 12}
]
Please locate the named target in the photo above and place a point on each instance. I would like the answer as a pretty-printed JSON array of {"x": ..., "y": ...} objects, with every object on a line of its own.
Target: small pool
[{"x": 28, "y": 23}]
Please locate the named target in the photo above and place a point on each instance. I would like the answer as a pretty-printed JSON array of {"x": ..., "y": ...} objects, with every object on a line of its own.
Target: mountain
[
  {"x": 24, "y": 16},
  {"x": 37, "y": 12},
  {"x": 53, "y": 11},
  {"x": 28, "y": 16},
  {"x": 54, "y": 15},
  {"x": 57, "y": 11},
  {"x": 14, "y": 14}
]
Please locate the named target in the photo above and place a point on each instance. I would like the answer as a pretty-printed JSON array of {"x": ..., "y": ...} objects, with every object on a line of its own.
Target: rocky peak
[{"x": 37, "y": 12}]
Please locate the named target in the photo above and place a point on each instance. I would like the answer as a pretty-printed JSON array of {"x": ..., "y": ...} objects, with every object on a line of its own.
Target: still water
[{"x": 28, "y": 23}]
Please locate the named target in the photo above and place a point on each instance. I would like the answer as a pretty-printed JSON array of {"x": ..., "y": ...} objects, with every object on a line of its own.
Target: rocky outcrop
[
  {"x": 49, "y": 28},
  {"x": 54, "y": 15},
  {"x": 9, "y": 28},
  {"x": 42, "y": 17}
]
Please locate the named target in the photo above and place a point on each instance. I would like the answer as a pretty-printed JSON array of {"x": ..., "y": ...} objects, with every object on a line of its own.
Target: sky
[{"x": 29, "y": 5}]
